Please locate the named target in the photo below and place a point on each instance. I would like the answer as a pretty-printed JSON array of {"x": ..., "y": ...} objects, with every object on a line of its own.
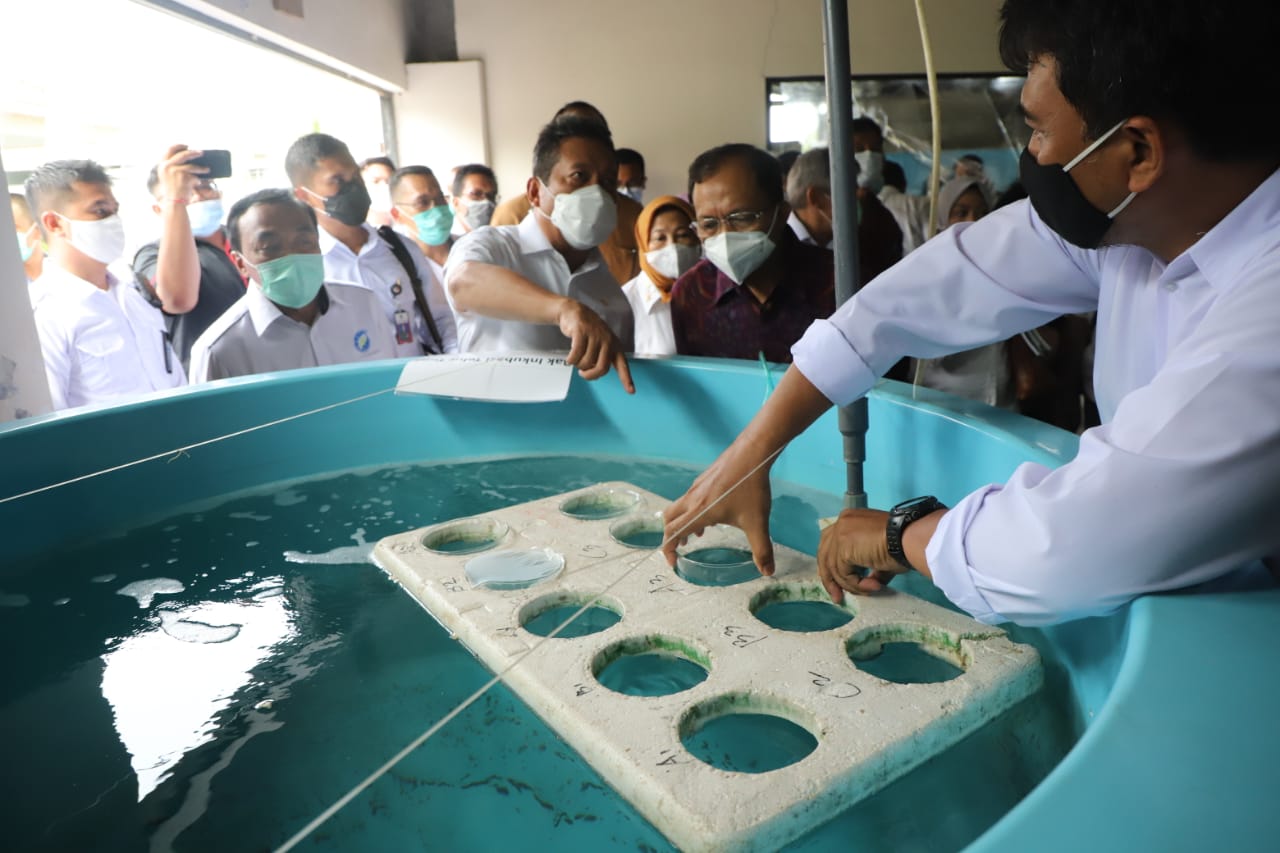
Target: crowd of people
[{"x": 361, "y": 260}]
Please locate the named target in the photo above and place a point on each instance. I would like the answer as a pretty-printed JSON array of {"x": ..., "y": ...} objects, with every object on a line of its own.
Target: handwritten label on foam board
[{"x": 496, "y": 378}]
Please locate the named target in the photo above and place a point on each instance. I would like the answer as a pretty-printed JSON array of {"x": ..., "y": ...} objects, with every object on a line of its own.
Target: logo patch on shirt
[{"x": 362, "y": 341}]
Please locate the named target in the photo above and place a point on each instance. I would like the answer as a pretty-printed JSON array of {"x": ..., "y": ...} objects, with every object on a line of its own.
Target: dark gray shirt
[{"x": 220, "y": 287}]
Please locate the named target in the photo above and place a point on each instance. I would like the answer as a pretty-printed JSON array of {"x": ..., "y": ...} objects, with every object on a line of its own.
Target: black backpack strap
[{"x": 398, "y": 249}]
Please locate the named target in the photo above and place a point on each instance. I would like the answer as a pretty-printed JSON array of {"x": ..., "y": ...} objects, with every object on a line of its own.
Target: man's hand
[
  {"x": 709, "y": 501},
  {"x": 853, "y": 554},
  {"x": 178, "y": 177},
  {"x": 593, "y": 348}
]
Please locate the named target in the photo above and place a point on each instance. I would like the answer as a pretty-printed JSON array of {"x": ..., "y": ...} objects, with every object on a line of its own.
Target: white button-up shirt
[
  {"x": 801, "y": 231},
  {"x": 911, "y": 213},
  {"x": 652, "y": 313},
  {"x": 1180, "y": 483},
  {"x": 375, "y": 268},
  {"x": 100, "y": 345},
  {"x": 525, "y": 250},
  {"x": 255, "y": 336}
]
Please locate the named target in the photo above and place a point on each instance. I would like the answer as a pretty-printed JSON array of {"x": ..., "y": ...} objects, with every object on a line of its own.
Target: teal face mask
[
  {"x": 434, "y": 225},
  {"x": 292, "y": 281},
  {"x": 25, "y": 250}
]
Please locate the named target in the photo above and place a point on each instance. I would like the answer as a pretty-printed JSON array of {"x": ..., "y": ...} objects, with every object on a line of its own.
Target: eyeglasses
[
  {"x": 430, "y": 204},
  {"x": 739, "y": 220}
]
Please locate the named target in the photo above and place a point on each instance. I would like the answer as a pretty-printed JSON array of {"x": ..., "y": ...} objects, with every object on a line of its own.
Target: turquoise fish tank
[{"x": 200, "y": 656}]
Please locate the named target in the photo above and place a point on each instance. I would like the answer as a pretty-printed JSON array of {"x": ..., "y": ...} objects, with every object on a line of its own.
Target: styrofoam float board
[{"x": 869, "y": 732}]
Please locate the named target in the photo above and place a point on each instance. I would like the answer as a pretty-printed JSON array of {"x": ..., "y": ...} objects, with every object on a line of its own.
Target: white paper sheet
[{"x": 497, "y": 377}]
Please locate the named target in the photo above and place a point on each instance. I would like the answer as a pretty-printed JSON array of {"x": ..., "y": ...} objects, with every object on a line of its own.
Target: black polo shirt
[{"x": 220, "y": 287}]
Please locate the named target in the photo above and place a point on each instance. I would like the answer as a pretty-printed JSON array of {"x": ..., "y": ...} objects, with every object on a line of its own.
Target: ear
[
  {"x": 155, "y": 208},
  {"x": 241, "y": 266},
  {"x": 305, "y": 197},
  {"x": 52, "y": 224},
  {"x": 1149, "y": 152},
  {"x": 399, "y": 217},
  {"x": 533, "y": 191}
]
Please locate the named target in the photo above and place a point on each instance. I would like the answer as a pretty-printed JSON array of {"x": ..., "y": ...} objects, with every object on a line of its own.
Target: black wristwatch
[{"x": 901, "y": 516}]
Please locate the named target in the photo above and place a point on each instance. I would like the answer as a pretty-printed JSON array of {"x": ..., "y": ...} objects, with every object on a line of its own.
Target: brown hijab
[{"x": 643, "y": 225}]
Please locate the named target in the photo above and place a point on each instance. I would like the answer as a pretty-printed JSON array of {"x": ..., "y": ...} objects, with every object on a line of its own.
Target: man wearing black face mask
[
  {"x": 1146, "y": 206},
  {"x": 326, "y": 178}
]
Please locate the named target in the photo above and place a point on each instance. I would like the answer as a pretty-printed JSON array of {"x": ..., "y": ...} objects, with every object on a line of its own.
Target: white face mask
[
  {"x": 205, "y": 216},
  {"x": 586, "y": 217},
  {"x": 100, "y": 239},
  {"x": 636, "y": 194},
  {"x": 738, "y": 254},
  {"x": 870, "y": 170},
  {"x": 379, "y": 197},
  {"x": 673, "y": 260}
]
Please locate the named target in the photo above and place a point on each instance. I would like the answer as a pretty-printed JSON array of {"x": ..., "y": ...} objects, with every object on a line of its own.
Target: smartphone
[{"x": 217, "y": 161}]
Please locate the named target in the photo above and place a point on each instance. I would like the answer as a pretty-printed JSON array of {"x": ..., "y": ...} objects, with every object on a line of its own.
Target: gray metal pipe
[{"x": 844, "y": 214}]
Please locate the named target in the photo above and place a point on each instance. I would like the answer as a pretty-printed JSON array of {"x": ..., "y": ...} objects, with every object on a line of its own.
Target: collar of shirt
[
  {"x": 329, "y": 243},
  {"x": 59, "y": 283},
  {"x": 800, "y": 230},
  {"x": 533, "y": 241},
  {"x": 263, "y": 312},
  {"x": 650, "y": 295},
  {"x": 1226, "y": 247}
]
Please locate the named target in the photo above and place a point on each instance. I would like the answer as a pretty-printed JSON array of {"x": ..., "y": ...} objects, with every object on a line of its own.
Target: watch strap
[{"x": 900, "y": 517}]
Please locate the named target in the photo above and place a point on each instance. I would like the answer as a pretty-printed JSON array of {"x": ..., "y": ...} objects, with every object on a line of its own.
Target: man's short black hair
[
  {"x": 894, "y": 175},
  {"x": 269, "y": 196},
  {"x": 786, "y": 160},
  {"x": 630, "y": 157},
  {"x": 862, "y": 124},
  {"x": 546, "y": 152},
  {"x": 460, "y": 177},
  {"x": 1199, "y": 66},
  {"x": 581, "y": 109},
  {"x": 50, "y": 185},
  {"x": 377, "y": 161},
  {"x": 400, "y": 174},
  {"x": 306, "y": 153},
  {"x": 763, "y": 164}
]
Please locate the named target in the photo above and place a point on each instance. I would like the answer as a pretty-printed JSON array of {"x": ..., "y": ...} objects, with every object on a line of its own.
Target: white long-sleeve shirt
[{"x": 1180, "y": 483}]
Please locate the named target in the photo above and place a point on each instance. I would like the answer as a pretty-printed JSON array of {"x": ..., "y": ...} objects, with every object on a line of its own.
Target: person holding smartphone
[{"x": 189, "y": 267}]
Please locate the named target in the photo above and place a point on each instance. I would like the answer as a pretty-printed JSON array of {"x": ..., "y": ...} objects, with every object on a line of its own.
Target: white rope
[
  {"x": 178, "y": 452},
  {"x": 346, "y": 798}
]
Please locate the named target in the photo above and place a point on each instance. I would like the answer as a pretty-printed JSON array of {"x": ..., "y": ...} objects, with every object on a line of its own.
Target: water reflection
[{"x": 168, "y": 683}]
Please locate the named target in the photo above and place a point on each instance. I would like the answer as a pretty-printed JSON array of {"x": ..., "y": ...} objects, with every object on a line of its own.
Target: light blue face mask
[
  {"x": 292, "y": 281},
  {"x": 205, "y": 216},
  {"x": 434, "y": 225},
  {"x": 25, "y": 250}
]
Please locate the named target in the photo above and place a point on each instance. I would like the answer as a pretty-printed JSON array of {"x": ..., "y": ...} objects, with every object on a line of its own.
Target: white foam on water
[
  {"x": 144, "y": 591},
  {"x": 61, "y": 601},
  {"x": 103, "y": 578},
  {"x": 251, "y": 544},
  {"x": 324, "y": 507},
  {"x": 195, "y": 631},
  {"x": 14, "y": 599},
  {"x": 358, "y": 553},
  {"x": 288, "y": 497},
  {"x": 251, "y": 516}
]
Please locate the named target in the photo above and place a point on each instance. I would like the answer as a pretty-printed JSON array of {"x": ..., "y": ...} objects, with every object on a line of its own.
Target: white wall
[
  {"x": 675, "y": 77},
  {"x": 440, "y": 117},
  {"x": 365, "y": 38}
]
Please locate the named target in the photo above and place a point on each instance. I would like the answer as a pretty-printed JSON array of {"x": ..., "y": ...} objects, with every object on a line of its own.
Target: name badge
[{"x": 404, "y": 331}]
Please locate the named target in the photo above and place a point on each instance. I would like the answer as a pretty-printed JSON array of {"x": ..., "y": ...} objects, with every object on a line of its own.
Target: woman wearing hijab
[
  {"x": 980, "y": 374},
  {"x": 667, "y": 248}
]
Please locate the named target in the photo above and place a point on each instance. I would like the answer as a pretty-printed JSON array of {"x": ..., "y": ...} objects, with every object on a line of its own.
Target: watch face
[{"x": 914, "y": 502}]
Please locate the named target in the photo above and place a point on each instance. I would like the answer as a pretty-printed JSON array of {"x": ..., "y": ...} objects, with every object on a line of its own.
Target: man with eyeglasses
[
  {"x": 420, "y": 211},
  {"x": 758, "y": 287},
  {"x": 189, "y": 267},
  {"x": 325, "y": 177},
  {"x": 475, "y": 197}
]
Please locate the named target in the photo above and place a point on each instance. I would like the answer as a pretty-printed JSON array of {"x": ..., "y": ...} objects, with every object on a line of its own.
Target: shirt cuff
[
  {"x": 827, "y": 359},
  {"x": 949, "y": 563}
]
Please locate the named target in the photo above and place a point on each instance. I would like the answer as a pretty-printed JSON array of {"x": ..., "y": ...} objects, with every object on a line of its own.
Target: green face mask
[
  {"x": 292, "y": 281},
  {"x": 25, "y": 250},
  {"x": 434, "y": 225}
]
